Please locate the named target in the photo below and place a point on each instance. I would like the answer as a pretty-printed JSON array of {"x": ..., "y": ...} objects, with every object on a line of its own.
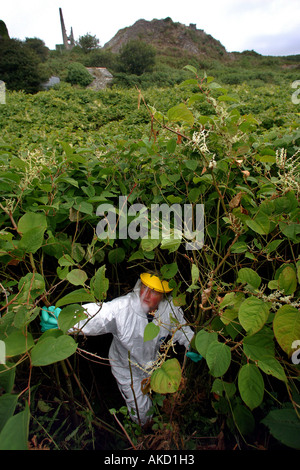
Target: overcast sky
[{"x": 270, "y": 27}]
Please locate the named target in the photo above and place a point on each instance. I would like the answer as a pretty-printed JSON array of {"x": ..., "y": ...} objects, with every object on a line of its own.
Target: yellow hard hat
[{"x": 152, "y": 281}]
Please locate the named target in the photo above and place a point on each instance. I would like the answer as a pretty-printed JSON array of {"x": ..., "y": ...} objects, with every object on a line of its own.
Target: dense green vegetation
[
  {"x": 231, "y": 143},
  {"x": 137, "y": 64}
]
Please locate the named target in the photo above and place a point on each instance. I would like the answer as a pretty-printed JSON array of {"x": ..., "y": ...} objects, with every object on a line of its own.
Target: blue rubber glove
[
  {"x": 49, "y": 317},
  {"x": 195, "y": 357}
]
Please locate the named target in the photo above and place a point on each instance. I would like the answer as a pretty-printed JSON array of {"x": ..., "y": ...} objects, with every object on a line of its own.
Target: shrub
[
  {"x": 77, "y": 74},
  {"x": 137, "y": 57},
  {"x": 100, "y": 58}
]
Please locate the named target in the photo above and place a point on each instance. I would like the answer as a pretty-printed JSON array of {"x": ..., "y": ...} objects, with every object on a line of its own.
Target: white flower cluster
[
  {"x": 289, "y": 169},
  {"x": 212, "y": 163},
  {"x": 199, "y": 142},
  {"x": 278, "y": 298},
  {"x": 9, "y": 205},
  {"x": 281, "y": 158},
  {"x": 35, "y": 162}
]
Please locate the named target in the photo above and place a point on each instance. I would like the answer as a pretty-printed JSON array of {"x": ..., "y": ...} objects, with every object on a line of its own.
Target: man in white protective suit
[{"x": 125, "y": 318}]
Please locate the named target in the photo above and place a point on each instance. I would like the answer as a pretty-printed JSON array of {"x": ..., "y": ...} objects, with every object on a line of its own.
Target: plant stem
[
  {"x": 32, "y": 262},
  {"x": 132, "y": 388},
  {"x": 70, "y": 392},
  {"x": 124, "y": 430}
]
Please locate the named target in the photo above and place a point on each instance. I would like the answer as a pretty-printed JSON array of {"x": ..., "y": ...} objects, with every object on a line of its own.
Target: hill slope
[{"x": 169, "y": 38}]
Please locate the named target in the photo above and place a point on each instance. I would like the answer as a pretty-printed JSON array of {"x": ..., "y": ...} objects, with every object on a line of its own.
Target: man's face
[{"x": 150, "y": 298}]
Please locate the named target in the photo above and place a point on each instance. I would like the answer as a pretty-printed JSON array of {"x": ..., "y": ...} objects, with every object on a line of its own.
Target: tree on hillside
[
  {"x": 19, "y": 66},
  {"x": 38, "y": 46},
  {"x": 100, "y": 58},
  {"x": 88, "y": 42},
  {"x": 137, "y": 57}
]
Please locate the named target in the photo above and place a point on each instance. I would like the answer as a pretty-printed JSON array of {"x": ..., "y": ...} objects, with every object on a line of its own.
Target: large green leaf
[
  {"x": 191, "y": 69},
  {"x": 32, "y": 220},
  {"x": 8, "y": 404},
  {"x": 251, "y": 385},
  {"x": 259, "y": 345},
  {"x": 100, "y": 284},
  {"x": 167, "y": 378},
  {"x": 222, "y": 388},
  {"x": 77, "y": 277},
  {"x": 203, "y": 340},
  {"x": 287, "y": 280},
  {"x": 151, "y": 331},
  {"x": 148, "y": 244},
  {"x": 284, "y": 205},
  {"x": 286, "y": 326},
  {"x": 284, "y": 425},
  {"x": 260, "y": 224},
  {"x": 291, "y": 230},
  {"x": 171, "y": 244},
  {"x": 70, "y": 316},
  {"x": 260, "y": 348},
  {"x": 169, "y": 270},
  {"x": 272, "y": 246},
  {"x": 195, "y": 273},
  {"x": 32, "y": 240},
  {"x": 239, "y": 247},
  {"x": 18, "y": 342},
  {"x": 243, "y": 419},
  {"x": 271, "y": 366},
  {"x": 298, "y": 271},
  {"x": 180, "y": 113},
  {"x": 2, "y": 353},
  {"x": 30, "y": 287},
  {"x": 84, "y": 207},
  {"x": 247, "y": 275},
  {"x": 117, "y": 255},
  {"x": 32, "y": 226},
  {"x": 218, "y": 358},
  {"x": 52, "y": 349},
  {"x": 14, "y": 435},
  {"x": 66, "y": 260},
  {"x": 24, "y": 315},
  {"x": 7, "y": 376},
  {"x": 253, "y": 314},
  {"x": 80, "y": 295},
  {"x": 232, "y": 301}
]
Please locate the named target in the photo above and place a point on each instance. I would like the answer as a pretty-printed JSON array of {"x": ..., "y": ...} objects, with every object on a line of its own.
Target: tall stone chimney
[{"x": 68, "y": 41}]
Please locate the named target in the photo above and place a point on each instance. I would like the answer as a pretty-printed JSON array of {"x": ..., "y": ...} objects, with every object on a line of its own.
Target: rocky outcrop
[
  {"x": 165, "y": 34},
  {"x": 102, "y": 77}
]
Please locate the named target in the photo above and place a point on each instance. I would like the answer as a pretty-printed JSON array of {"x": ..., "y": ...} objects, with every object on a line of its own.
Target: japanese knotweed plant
[
  {"x": 239, "y": 291},
  {"x": 243, "y": 287}
]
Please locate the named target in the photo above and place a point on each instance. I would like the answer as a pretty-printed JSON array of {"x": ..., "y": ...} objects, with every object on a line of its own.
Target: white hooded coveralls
[{"x": 125, "y": 319}]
